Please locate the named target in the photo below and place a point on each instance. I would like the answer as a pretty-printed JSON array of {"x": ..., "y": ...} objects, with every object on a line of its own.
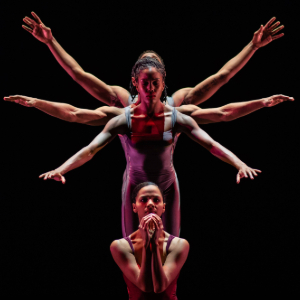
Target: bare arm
[
  {"x": 68, "y": 112},
  {"x": 115, "y": 126},
  {"x": 190, "y": 127},
  {"x": 230, "y": 111},
  {"x": 110, "y": 95},
  {"x": 205, "y": 89}
]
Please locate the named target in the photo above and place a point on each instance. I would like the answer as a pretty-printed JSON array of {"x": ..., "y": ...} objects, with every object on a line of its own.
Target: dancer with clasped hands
[
  {"x": 149, "y": 133},
  {"x": 118, "y": 96},
  {"x": 150, "y": 258}
]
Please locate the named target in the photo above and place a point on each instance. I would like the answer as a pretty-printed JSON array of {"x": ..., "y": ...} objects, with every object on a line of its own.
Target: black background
[{"x": 243, "y": 238}]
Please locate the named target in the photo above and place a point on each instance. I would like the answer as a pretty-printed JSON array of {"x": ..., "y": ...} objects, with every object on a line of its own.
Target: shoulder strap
[
  {"x": 170, "y": 101},
  {"x": 127, "y": 238},
  {"x": 174, "y": 117},
  {"x": 171, "y": 237},
  {"x": 128, "y": 117}
]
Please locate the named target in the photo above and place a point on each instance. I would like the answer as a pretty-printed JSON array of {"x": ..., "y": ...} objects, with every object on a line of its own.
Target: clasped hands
[{"x": 150, "y": 228}]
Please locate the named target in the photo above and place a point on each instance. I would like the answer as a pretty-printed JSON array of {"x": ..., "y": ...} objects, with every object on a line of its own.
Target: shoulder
[
  {"x": 120, "y": 246},
  {"x": 122, "y": 94},
  {"x": 180, "y": 95},
  {"x": 179, "y": 245}
]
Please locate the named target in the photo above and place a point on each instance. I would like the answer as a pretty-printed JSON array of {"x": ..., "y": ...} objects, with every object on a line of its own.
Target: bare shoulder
[
  {"x": 180, "y": 95},
  {"x": 120, "y": 246},
  {"x": 179, "y": 245},
  {"x": 121, "y": 93},
  {"x": 187, "y": 109}
]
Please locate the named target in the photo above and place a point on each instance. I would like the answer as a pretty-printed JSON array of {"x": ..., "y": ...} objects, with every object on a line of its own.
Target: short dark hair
[
  {"x": 140, "y": 186},
  {"x": 152, "y": 51},
  {"x": 145, "y": 63}
]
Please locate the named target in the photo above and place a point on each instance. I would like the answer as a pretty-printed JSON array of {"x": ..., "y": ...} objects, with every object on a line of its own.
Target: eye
[{"x": 156, "y": 199}]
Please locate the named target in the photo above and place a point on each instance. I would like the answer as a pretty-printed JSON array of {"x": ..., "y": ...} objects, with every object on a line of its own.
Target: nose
[
  {"x": 150, "y": 203},
  {"x": 150, "y": 87}
]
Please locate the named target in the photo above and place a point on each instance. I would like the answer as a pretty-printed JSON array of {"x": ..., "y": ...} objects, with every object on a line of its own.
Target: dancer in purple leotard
[
  {"x": 151, "y": 159},
  {"x": 150, "y": 258}
]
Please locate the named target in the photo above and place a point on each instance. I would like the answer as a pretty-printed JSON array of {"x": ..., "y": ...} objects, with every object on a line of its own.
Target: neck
[{"x": 150, "y": 106}]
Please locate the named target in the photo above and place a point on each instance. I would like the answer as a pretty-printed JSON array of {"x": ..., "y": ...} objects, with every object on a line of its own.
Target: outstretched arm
[
  {"x": 205, "y": 89},
  {"x": 110, "y": 95},
  {"x": 115, "y": 126},
  {"x": 190, "y": 127},
  {"x": 230, "y": 111},
  {"x": 68, "y": 112}
]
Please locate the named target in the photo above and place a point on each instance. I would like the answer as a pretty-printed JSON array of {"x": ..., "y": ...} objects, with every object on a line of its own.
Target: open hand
[
  {"x": 37, "y": 28},
  {"x": 245, "y": 171},
  {"x": 266, "y": 34},
  {"x": 23, "y": 100},
  {"x": 55, "y": 174},
  {"x": 276, "y": 99}
]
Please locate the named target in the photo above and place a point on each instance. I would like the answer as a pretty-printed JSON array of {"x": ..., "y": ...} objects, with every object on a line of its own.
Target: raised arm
[
  {"x": 230, "y": 111},
  {"x": 68, "y": 112},
  {"x": 115, "y": 126},
  {"x": 205, "y": 89},
  {"x": 187, "y": 125},
  {"x": 110, "y": 95}
]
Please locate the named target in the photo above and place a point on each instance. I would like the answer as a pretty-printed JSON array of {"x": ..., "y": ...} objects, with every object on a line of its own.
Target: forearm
[
  {"x": 64, "y": 59},
  {"x": 225, "y": 155},
  {"x": 227, "y": 112},
  {"x": 159, "y": 278},
  {"x": 77, "y": 160},
  {"x": 238, "y": 62},
  {"x": 61, "y": 111},
  {"x": 144, "y": 280}
]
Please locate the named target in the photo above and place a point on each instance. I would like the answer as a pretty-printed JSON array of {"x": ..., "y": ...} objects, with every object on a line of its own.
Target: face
[
  {"x": 152, "y": 55},
  {"x": 149, "y": 200},
  {"x": 149, "y": 85}
]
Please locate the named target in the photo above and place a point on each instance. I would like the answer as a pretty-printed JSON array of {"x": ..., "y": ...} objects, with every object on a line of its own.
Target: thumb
[{"x": 63, "y": 179}]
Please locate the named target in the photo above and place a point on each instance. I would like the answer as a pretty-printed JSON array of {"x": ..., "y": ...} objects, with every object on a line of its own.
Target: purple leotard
[
  {"x": 135, "y": 293},
  {"x": 152, "y": 161}
]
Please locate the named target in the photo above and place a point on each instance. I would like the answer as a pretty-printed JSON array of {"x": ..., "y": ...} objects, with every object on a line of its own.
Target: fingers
[
  {"x": 238, "y": 178},
  {"x": 270, "y": 22},
  {"x": 30, "y": 22},
  {"x": 27, "y": 28},
  {"x": 275, "y": 37},
  {"x": 277, "y": 29},
  {"x": 273, "y": 26},
  {"x": 36, "y": 17}
]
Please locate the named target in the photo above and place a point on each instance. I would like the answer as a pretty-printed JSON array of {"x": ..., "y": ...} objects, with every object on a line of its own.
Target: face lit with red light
[
  {"x": 149, "y": 200},
  {"x": 149, "y": 84}
]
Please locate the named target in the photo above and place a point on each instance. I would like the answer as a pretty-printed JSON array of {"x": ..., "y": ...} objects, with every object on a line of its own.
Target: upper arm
[
  {"x": 176, "y": 258},
  {"x": 110, "y": 95},
  {"x": 115, "y": 126},
  {"x": 103, "y": 114},
  {"x": 125, "y": 259},
  {"x": 202, "y": 91},
  {"x": 189, "y": 126}
]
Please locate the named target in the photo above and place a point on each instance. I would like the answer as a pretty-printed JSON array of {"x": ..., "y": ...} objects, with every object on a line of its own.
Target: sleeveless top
[
  {"x": 136, "y": 294},
  {"x": 150, "y": 160}
]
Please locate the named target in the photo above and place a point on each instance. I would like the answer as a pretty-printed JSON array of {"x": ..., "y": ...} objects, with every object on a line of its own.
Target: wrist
[
  {"x": 50, "y": 41},
  {"x": 253, "y": 46}
]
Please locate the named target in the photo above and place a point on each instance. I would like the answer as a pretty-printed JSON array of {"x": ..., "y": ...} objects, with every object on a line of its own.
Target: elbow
[
  {"x": 77, "y": 74},
  {"x": 224, "y": 76},
  {"x": 225, "y": 116}
]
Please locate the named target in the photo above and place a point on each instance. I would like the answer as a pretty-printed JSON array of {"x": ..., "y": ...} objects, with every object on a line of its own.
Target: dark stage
[{"x": 243, "y": 238}]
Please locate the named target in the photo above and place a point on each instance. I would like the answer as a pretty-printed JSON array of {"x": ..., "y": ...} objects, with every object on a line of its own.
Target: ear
[
  {"x": 164, "y": 207},
  {"x": 134, "y": 82},
  {"x": 134, "y": 207}
]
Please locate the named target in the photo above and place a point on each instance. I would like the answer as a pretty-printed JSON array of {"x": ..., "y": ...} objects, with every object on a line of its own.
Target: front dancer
[
  {"x": 149, "y": 132},
  {"x": 150, "y": 258}
]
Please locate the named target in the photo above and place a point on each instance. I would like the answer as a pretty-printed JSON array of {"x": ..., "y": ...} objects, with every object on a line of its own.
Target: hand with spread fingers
[
  {"x": 23, "y": 100},
  {"x": 276, "y": 99},
  {"x": 266, "y": 34},
  {"x": 37, "y": 28},
  {"x": 245, "y": 171},
  {"x": 55, "y": 174}
]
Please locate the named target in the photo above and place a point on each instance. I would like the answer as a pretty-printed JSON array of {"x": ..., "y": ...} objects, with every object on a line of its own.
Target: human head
[
  {"x": 152, "y": 54},
  {"x": 147, "y": 198},
  {"x": 144, "y": 67}
]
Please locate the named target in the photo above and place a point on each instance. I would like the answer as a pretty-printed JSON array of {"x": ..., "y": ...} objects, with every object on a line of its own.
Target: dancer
[
  {"x": 120, "y": 97},
  {"x": 103, "y": 114},
  {"x": 150, "y": 258},
  {"x": 149, "y": 132}
]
